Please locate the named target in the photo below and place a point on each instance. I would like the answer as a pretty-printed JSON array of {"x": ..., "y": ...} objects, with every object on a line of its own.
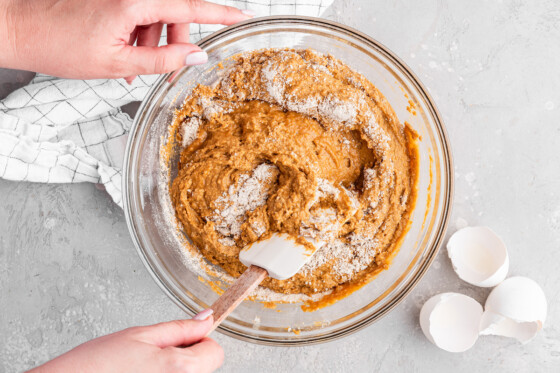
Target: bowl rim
[{"x": 447, "y": 173}]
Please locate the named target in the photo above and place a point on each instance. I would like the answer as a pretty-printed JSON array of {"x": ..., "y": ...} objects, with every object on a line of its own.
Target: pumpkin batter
[{"x": 293, "y": 141}]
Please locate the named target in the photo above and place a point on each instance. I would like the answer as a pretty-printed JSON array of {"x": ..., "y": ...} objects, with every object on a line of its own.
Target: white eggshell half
[
  {"x": 451, "y": 321},
  {"x": 516, "y": 308},
  {"x": 479, "y": 256}
]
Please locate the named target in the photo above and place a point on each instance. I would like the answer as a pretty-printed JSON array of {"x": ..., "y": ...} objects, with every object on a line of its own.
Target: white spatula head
[{"x": 280, "y": 255}]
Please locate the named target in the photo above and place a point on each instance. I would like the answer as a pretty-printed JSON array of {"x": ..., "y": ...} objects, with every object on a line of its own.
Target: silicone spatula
[{"x": 278, "y": 257}]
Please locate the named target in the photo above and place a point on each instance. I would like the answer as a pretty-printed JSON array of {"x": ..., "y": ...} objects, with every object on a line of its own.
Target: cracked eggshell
[
  {"x": 516, "y": 308},
  {"x": 451, "y": 321},
  {"x": 479, "y": 256}
]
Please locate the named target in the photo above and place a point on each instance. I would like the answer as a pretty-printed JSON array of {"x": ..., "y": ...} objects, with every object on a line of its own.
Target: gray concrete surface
[{"x": 69, "y": 272}]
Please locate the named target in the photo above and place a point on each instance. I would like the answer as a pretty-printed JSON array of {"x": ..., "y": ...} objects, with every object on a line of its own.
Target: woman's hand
[
  {"x": 153, "y": 348},
  {"x": 94, "y": 38}
]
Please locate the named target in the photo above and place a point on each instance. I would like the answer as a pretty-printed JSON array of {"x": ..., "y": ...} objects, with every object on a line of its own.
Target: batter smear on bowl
[{"x": 294, "y": 141}]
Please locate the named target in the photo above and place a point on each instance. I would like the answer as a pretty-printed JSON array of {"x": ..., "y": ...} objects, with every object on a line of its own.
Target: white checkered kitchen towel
[{"x": 68, "y": 131}]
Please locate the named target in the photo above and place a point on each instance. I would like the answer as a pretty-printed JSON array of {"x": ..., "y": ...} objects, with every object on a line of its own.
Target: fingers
[
  {"x": 194, "y": 11},
  {"x": 159, "y": 60},
  {"x": 131, "y": 41},
  {"x": 148, "y": 36},
  {"x": 205, "y": 356},
  {"x": 176, "y": 333},
  {"x": 208, "y": 355},
  {"x": 133, "y": 36},
  {"x": 206, "y": 12},
  {"x": 177, "y": 33}
]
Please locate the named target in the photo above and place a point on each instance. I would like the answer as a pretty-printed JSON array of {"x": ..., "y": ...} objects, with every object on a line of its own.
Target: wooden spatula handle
[{"x": 242, "y": 287}]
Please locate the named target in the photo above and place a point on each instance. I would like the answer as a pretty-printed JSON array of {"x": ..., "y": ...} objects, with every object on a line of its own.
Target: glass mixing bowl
[{"x": 252, "y": 321}]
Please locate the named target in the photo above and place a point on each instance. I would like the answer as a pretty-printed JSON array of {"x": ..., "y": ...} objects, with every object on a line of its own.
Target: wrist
[
  {"x": 7, "y": 37},
  {"x": 18, "y": 35}
]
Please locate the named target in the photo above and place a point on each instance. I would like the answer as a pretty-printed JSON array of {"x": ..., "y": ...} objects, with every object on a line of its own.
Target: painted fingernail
[
  {"x": 203, "y": 315},
  {"x": 249, "y": 12},
  {"x": 196, "y": 58}
]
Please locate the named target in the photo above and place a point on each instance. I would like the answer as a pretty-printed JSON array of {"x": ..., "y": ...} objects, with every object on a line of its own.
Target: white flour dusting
[
  {"x": 346, "y": 258},
  {"x": 329, "y": 107},
  {"x": 378, "y": 136},
  {"x": 210, "y": 107},
  {"x": 337, "y": 110},
  {"x": 322, "y": 224},
  {"x": 348, "y": 255},
  {"x": 325, "y": 187},
  {"x": 333, "y": 109},
  {"x": 248, "y": 194},
  {"x": 258, "y": 227},
  {"x": 190, "y": 130},
  {"x": 193, "y": 259}
]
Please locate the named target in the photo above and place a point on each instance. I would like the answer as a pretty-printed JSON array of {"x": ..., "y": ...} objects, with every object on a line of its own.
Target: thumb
[
  {"x": 160, "y": 60},
  {"x": 178, "y": 332}
]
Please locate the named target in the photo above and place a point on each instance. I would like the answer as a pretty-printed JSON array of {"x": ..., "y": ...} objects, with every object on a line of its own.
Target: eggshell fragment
[
  {"x": 451, "y": 321},
  {"x": 479, "y": 256},
  {"x": 516, "y": 308}
]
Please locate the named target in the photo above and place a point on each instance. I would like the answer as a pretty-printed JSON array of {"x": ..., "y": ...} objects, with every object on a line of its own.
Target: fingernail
[
  {"x": 249, "y": 12},
  {"x": 196, "y": 58},
  {"x": 203, "y": 315}
]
